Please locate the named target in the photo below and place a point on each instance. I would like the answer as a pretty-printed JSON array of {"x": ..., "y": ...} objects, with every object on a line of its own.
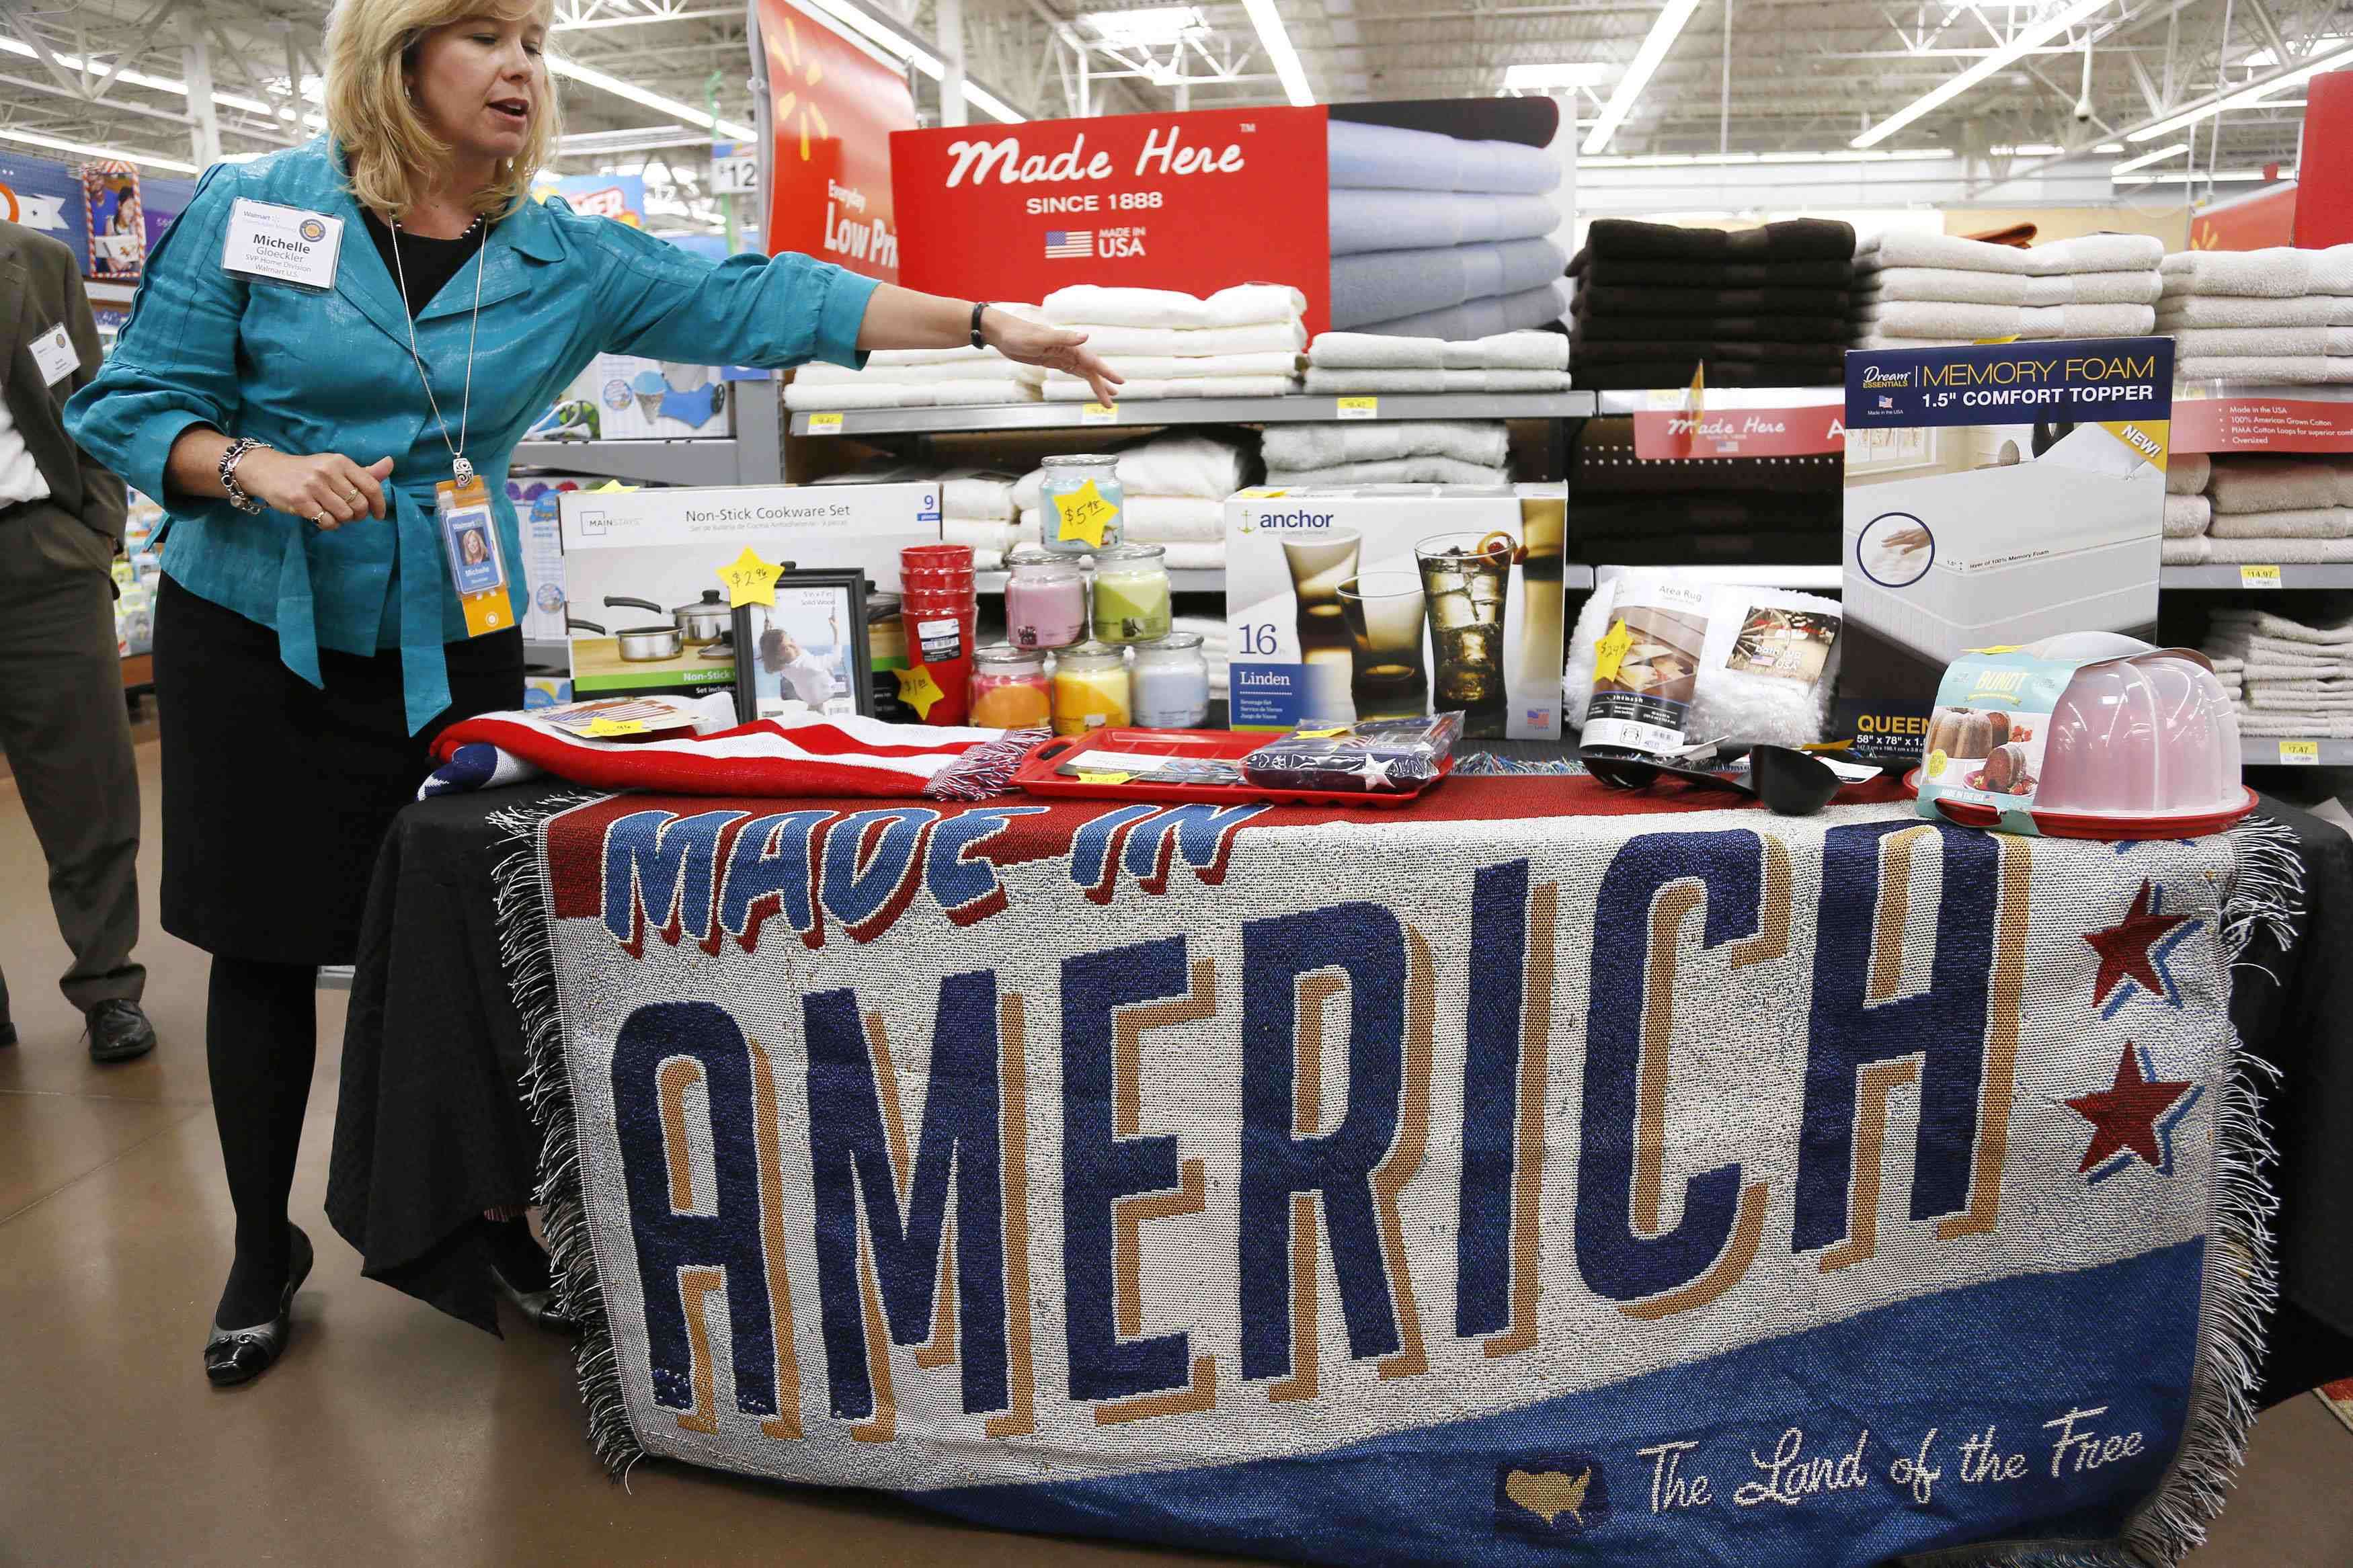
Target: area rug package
[
  {"x": 1996, "y": 494},
  {"x": 1391, "y": 602},
  {"x": 632, "y": 557}
]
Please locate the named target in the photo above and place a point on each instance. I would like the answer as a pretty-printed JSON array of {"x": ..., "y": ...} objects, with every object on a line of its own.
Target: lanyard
[{"x": 459, "y": 468}]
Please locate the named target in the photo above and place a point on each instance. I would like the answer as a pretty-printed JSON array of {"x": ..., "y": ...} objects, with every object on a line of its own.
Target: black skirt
[{"x": 276, "y": 793}]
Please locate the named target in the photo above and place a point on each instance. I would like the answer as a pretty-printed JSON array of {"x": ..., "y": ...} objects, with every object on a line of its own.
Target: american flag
[{"x": 1070, "y": 244}]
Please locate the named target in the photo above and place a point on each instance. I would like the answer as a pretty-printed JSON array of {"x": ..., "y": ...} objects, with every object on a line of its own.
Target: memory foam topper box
[{"x": 2002, "y": 493}]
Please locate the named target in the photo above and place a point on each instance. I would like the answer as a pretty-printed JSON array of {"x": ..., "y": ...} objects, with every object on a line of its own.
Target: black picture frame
[{"x": 838, "y": 597}]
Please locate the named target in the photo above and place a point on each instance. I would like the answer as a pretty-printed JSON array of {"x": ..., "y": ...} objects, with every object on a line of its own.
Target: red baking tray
[{"x": 1036, "y": 775}]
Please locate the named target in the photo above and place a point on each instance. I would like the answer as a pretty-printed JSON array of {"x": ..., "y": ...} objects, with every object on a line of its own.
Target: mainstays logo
[{"x": 1003, "y": 161}]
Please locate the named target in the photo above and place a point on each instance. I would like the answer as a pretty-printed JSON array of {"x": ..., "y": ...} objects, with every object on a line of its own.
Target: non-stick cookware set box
[
  {"x": 647, "y": 611},
  {"x": 1348, "y": 604}
]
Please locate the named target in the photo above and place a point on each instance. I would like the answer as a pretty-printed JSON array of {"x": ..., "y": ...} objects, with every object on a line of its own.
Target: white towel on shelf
[
  {"x": 1344, "y": 383},
  {"x": 2280, "y": 484},
  {"x": 989, "y": 365},
  {"x": 2186, "y": 473},
  {"x": 2300, "y": 370},
  {"x": 2185, "y": 516},
  {"x": 987, "y": 538},
  {"x": 2092, "y": 253},
  {"x": 2295, "y": 726},
  {"x": 827, "y": 396},
  {"x": 968, "y": 393},
  {"x": 1061, "y": 388},
  {"x": 1936, "y": 319},
  {"x": 1195, "y": 557},
  {"x": 1244, "y": 305},
  {"x": 1199, "y": 467},
  {"x": 1316, "y": 445},
  {"x": 1959, "y": 286},
  {"x": 2208, "y": 342},
  {"x": 2187, "y": 552},
  {"x": 2240, "y": 312},
  {"x": 1505, "y": 351},
  {"x": 2278, "y": 272},
  {"x": 1165, "y": 367},
  {"x": 1420, "y": 470},
  {"x": 1267, "y": 337},
  {"x": 1159, "y": 520},
  {"x": 2265, "y": 696},
  {"x": 2263, "y": 626},
  {"x": 2309, "y": 522},
  {"x": 2277, "y": 552},
  {"x": 976, "y": 493}
]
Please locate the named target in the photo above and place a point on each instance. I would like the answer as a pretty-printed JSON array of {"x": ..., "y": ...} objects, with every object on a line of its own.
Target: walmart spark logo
[{"x": 786, "y": 68}]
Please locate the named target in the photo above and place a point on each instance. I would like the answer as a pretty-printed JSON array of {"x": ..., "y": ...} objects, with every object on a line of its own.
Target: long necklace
[{"x": 459, "y": 468}]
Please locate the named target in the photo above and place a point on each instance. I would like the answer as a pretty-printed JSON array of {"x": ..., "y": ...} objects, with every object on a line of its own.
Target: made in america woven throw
[{"x": 1476, "y": 1185}]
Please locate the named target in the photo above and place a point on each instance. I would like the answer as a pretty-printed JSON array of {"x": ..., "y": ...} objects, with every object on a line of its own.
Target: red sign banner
[
  {"x": 1740, "y": 433},
  {"x": 2261, "y": 424},
  {"x": 1194, "y": 202},
  {"x": 833, "y": 108}
]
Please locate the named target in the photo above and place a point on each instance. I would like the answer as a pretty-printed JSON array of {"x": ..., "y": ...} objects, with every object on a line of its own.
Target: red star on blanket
[
  {"x": 2124, "y": 1114},
  {"x": 2123, "y": 948}
]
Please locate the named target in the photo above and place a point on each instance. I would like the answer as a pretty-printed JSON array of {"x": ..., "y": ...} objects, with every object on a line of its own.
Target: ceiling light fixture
[
  {"x": 1554, "y": 76},
  {"x": 904, "y": 48},
  {"x": 1696, "y": 160},
  {"x": 2109, "y": 147},
  {"x": 2034, "y": 35},
  {"x": 2193, "y": 176},
  {"x": 2027, "y": 150},
  {"x": 2248, "y": 96},
  {"x": 2145, "y": 159},
  {"x": 58, "y": 145},
  {"x": 588, "y": 76},
  {"x": 1661, "y": 37},
  {"x": 154, "y": 83},
  {"x": 1275, "y": 40},
  {"x": 1151, "y": 25}
]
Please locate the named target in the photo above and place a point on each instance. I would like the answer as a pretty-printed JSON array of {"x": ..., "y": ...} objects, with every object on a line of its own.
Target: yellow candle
[{"x": 1090, "y": 688}]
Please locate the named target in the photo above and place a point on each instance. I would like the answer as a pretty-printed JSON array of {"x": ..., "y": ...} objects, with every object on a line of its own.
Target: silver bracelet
[{"x": 237, "y": 497}]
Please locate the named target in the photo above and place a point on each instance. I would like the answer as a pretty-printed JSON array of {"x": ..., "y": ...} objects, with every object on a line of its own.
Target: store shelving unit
[
  {"x": 755, "y": 455},
  {"x": 2234, "y": 577},
  {"x": 2262, "y": 751},
  {"x": 1160, "y": 413}
]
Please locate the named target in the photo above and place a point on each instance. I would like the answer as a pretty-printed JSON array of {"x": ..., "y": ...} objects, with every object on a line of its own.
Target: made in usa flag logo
[
  {"x": 1070, "y": 244},
  {"x": 1885, "y": 401}
]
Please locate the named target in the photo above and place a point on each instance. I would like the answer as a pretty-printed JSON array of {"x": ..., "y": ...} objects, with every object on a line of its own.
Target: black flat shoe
[
  {"x": 539, "y": 1306},
  {"x": 119, "y": 1032},
  {"x": 239, "y": 1355}
]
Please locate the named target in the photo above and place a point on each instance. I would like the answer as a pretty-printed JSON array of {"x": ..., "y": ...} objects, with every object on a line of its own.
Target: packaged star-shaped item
[{"x": 1378, "y": 756}]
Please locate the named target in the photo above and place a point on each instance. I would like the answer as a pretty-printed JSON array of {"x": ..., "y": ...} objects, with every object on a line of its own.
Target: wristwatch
[
  {"x": 237, "y": 497},
  {"x": 977, "y": 341}
]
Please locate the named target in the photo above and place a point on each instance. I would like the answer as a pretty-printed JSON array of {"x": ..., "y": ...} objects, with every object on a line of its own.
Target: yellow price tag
[
  {"x": 1098, "y": 413},
  {"x": 1085, "y": 777},
  {"x": 1083, "y": 514},
  {"x": 825, "y": 423},
  {"x": 918, "y": 690},
  {"x": 1609, "y": 650},
  {"x": 2299, "y": 753},
  {"x": 1315, "y": 734},
  {"x": 2259, "y": 577},
  {"x": 603, "y": 729},
  {"x": 1359, "y": 408},
  {"x": 750, "y": 579}
]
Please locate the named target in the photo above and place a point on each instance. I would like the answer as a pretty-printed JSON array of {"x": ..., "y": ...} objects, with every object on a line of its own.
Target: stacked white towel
[
  {"x": 1175, "y": 489},
  {"x": 1242, "y": 341},
  {"x": 919, "y": 378},
  {"x": 2293, "y": 679},
  {"x": 1403, "y": 452},
  {"x": 2276, "y": 315},
  {"x": 1217, "y": 646},
  {"x": 1347, "y": 363},
  {"x": 975, "y": 504},
  {"x": 2271, "y": 510},
  {"x": 1932, "y": 289}
]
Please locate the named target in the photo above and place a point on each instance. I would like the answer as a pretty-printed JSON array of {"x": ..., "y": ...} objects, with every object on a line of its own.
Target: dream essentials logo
[
  {"x": 1874, "y": 379},
  {"x": 313, "y": 230},
  {"x": 1550, "y": 1496}
]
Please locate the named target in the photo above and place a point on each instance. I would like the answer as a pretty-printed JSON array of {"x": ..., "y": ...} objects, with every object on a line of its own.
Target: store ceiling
[{"x": 1803, "y": 75}]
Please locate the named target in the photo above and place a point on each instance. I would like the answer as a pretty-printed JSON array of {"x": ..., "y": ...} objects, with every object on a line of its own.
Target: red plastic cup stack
[{"x": 941, "y": 616}]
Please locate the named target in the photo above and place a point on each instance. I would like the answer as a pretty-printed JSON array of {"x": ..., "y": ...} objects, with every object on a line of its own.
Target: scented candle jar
[
  {"x": 1069, "y": 510},
  {"x": 1045, "y": 600},
  {"x": 1131, "y": 594},
  {"x": 1009, "y": 689},
  {"x": 1090, "y": 688},
  {"x": 1169, "y": 688}
]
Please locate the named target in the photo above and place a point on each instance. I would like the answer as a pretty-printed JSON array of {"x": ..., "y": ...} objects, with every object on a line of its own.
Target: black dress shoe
[
  {"x": 8, "y": 1034},
  {"x": 539, "y": 1306},
  {"x": 119, "y": 1032},
  {"x": 239, "y": 1355}
]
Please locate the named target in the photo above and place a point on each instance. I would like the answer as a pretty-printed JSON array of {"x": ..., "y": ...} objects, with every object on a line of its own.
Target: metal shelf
[
  {"x": 711, "y": 462},
  {"x": 2263, "y": 750},
  {"x": 1150, "y": 413},
  {"x": 2335, "y": 576}
]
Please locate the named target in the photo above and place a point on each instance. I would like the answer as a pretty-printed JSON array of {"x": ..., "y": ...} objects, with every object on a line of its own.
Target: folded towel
[
  {"x": 1637, "y": 327},
  {"x": 1344, "y": 383},
  {"x": 1311, "y": 446},
  {"x": 1172, "y": 367},
  {"x": 1621, "y": 299},
  {"x": 909, "y": 394},
  {"x": 1420, "y": 470},
  {"x": 1636, "y": 373},
  {"x": 966, "y": 393},
  {"x": 1958, "y": 286},
  {"x": 1195, "y": 557},
  {"x": 2298, "y": 370},
  {"x": 2263, "y": 626},
  {"x": 2271, "y": 697},
  {"x": 1652, "y": 273},
  {"x": 1359, "y": 155},
  {"x": 2186, "y": 473},
  {"x": 2185, "y": 516},
  {"x": 1476, "y": 319},
  {"x": 2279, "y": 272},
  {"x": 1199, "y": 466},
  {"x": 2294, "y": 727},
  {"x": 1382, "y": 285},
  {"x": 2279, "y": 552},
  {"x": 1416, "y": 220},
  {"x": 1159, "y": 520},
  {"x": 1244, "y": 305},
  {"x": 2304, "y": 523},
  {"x": 1193, "y": 342},
  {"x": 2187, "y": 552},
  {"x": 988, "y": 366},
  {"x": 2193, "y": 311},
  {"x": 2280, "y": 657},
  {"x": 1792, "y": 239},
  {"x": 2206, "y": 342},
  {"x": 1931, "y": 318},
  {"x": 976, "y": 493},
  {"x": 1061, "y": 388},
  {"x": 2280, "y": 484},
  {"x": 1507, "y": 351},
  {"x": 995, "y": 538},
  {"x": 2092, "y": 253}
]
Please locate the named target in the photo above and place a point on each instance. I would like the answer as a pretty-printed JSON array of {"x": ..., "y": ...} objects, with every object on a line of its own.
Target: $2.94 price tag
[
  {"x": 2299, "y": 753},
  {"x": 825, "y": 423}
]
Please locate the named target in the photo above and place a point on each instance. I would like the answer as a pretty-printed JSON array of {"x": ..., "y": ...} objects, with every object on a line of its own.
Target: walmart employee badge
[{"x": 284, "y": 245}]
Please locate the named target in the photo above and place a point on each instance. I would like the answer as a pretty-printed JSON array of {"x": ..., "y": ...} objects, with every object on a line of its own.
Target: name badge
[
  {"x": 54, "y": 354},
  {"x": 475, "y": 565},
  {"x": 286, "y": 244}
]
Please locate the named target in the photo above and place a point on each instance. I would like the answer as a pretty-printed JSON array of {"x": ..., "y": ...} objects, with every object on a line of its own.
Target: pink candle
[{"x": 1045, "y": 601}]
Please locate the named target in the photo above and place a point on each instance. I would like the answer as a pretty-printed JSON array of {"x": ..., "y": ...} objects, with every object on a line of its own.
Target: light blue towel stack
[{"x": 1436, "y": 237}]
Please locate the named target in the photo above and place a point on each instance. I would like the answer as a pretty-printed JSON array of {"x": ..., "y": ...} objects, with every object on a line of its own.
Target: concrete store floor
[{"x": 394, "y": 1434}]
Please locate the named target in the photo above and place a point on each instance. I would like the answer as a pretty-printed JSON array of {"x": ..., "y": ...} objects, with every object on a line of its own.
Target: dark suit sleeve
[{"x": 103, "y": 500}]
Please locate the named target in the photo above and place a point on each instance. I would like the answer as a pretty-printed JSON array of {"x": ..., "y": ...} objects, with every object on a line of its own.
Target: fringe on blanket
[
  {"x": 523, "y": 921},
  {"x": 1486, "y": 764}
]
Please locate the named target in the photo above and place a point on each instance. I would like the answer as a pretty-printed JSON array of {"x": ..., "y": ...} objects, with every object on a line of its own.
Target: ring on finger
[{"x": 318, "y": 518}]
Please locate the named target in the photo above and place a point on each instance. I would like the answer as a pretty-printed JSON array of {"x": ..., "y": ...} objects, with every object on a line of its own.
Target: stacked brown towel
[
  {"x": 2276, "y": 315},
  {"x": 2266, "y": 511},
  {"x": 1628, "y": 510},
  {"x": 1760, "y": 307}
]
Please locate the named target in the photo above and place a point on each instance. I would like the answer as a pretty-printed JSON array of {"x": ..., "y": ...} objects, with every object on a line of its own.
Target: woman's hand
[
  {"x": 329, "y": 489},
  {"x": 1056, "y": 348}
]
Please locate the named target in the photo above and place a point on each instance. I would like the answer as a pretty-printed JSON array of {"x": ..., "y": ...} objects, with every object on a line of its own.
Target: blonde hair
[{"x": 392, "y": 158}]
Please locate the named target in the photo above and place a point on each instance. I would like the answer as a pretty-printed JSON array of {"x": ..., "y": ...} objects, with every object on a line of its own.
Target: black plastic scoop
[{"x": 1792, "y": 783}]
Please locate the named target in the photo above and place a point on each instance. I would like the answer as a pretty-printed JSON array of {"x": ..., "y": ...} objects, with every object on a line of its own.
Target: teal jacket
[{"x": 312, "y": 370}]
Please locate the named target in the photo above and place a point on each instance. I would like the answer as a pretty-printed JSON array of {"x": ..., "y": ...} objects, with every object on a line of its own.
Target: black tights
[{"x": 261, "y": 1041}]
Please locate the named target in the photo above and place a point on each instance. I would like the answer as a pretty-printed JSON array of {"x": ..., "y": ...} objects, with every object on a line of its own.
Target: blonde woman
[{"x": 323, "y": 336}]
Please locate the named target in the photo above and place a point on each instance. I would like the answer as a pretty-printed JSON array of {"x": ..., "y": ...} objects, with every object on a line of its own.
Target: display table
[{"x": 1543, "y": 1165}]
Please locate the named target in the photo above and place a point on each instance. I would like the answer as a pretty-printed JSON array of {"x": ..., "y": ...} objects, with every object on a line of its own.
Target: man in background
[{"x": 63, "y": 723}]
